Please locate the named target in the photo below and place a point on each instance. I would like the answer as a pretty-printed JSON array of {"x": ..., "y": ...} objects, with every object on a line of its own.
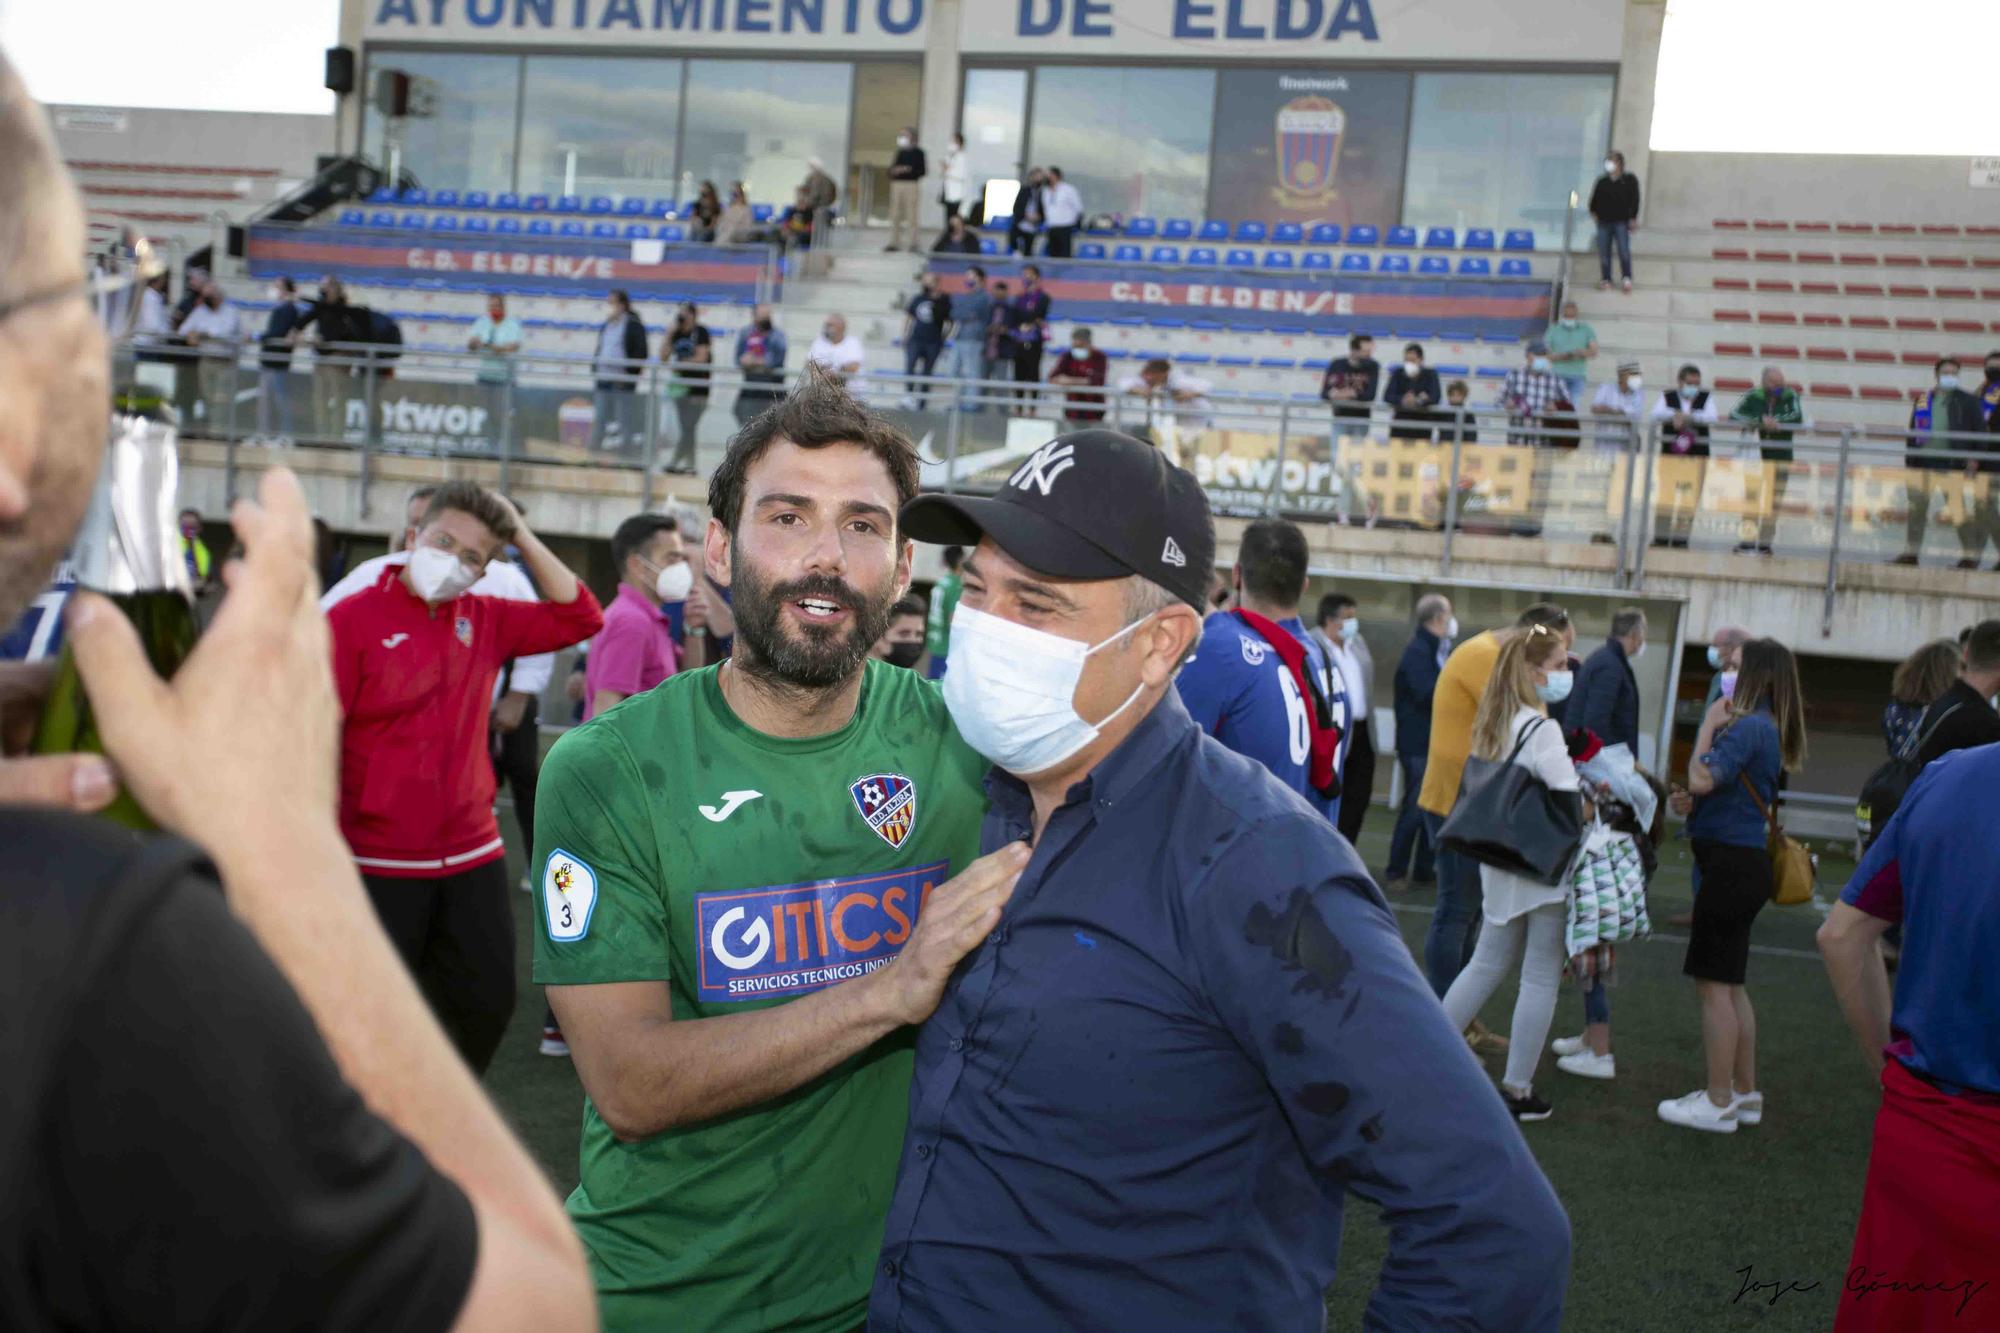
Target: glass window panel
[
  {"x": 992, "y": 119},
  {"x": 1505, "y": 150},
  {"x": 758, "y": 121},
  {"x": 1130, "y": 140},
  {"x": 459, "y": 134},
  {"x": 595, "y": 125}
]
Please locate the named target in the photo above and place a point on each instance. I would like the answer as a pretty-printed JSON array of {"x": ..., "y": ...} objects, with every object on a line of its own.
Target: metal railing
[{"x": 1837, "y": 494}]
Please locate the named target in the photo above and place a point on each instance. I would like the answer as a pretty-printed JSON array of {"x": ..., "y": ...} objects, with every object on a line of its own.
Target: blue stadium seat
[
  {"x": 1288, "y": 331},
  {"x": 571, "y": 227},
  {"x": 637, "y": 231},
  {"x": 1479, "y": 238},
  {"x": 1192, "y": 358},
  {"x": 998, "y": 222},
  {"x": 673, "y": 231},
  {"x": 1276, "y": 363},
  {"x": 1519, "y": 239},
  {"x": 1129, "y": 254},
  {"x": 1251, "y": 231},
  {"x": 1114, "y": 353},
  {"x": 1457, "y": 336},
  {"x": 1401, "y": 237},
  {"x": 1317, "y": 260},
  {"x": 1288, "y": 233},
  {"x": 1206, "y": 325},
  {"x": 1434, "y": 264},
  {"x": 1142, "y": 228},
  {"x": 1088, "y": 250},
  {"x": 1516, "y": 268},
  {"x": 661, "y": 208},
  {"x": 507, "y": 199},
  {"x": 989, "y": 246},
  {"x": 1241, "y": 259},
  {"x": 1353, "y": 263},
  {"x": 1440, "y": 238},
  {"x": 1165, "y": 254},
  {"x": 1394, "y": 264},
  {"x": 476, "y": 223},
  {"x": 353, "y": 217},
  {"x": 1213, "y": 230},
  {"x": 1475, "y": 266},
  {"x": 569, "y": 203},
  {"x": 476, "y": 199},
  {"x": 536, "y": 203},
  {"x": 1240, "y": 361},
  {"x": 507, "y": 226},
  {"x": 1363, "y": 233},
  {"x": 541, "y": 227},
  {"x": 632, "y": 206},
  {"x": 1126, "y": 322},
  {"x": 1452, "y": 372},
  {"x": 1178, "y": 229},
  {"x": 384, "y": 194},
  {"x": 1490, "y": 373},
  {"x": 1277, "y": 259},
  {"x": 1202, "y": 254},
  {"x": 413, "y": 194},
  {"x": 444, "y": 222},
  {"x": 415, "y": 222},
  {"x": 1324, "y": 233},
  {"x": 763, "y": 212}
]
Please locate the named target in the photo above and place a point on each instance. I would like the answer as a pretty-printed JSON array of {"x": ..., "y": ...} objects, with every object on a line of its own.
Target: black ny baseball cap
[{"x": 1093, "y": 504}]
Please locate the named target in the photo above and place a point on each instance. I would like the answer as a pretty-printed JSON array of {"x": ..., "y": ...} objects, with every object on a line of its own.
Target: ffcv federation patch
[{"x": 888, "y": 801}]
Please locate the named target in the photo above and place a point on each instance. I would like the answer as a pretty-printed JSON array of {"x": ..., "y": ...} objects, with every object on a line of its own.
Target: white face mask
[
  {"x": 1729, "y": 684},
  {"x": 1451, "y": 628},
  {"x": 674, "y": 582},
  {"x": 1609, "y": 165},
  {"x": 1947, "y": 381},
  {"x": 1540, "y": 363},
  {"x": 1634, "y": 384},
  {"x": 1690, "y": 389},
  {"x": 1413, "y": 368},
  {"x": 1638, "y": 652},
  {"x": 902, "y": 141},
  {"x": 1569, "y": 321},
  {"x": 1011, "y": 690},
  {"x": 1558, "y": 687},
  {"x": 1714, "y": 658},
  {"x": 1350, "y": 629},
  {"x": 439, "y": 576}
]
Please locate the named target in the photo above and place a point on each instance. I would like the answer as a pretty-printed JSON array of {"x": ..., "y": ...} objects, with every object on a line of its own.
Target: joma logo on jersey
[
  {"x": 888, "y": 801},
  {"x": 797, "y": 938}
]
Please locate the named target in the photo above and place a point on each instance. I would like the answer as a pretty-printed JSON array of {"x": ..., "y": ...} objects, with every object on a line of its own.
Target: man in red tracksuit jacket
[{"x": 415, "y": 658}]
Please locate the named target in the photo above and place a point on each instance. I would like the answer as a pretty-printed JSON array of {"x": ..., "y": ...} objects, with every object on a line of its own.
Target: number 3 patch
[{"x": 569, "y": 892}]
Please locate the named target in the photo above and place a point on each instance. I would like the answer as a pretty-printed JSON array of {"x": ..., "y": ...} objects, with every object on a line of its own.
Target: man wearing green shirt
[
  {"x": 1769, "y": 409},
  {"x": 1571, "y": 345},
  {"x": 751, "y": 881},
  {"x": 944, "y": 601}
]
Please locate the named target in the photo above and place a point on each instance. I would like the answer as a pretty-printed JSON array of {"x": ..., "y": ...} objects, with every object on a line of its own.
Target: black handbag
[{"x": 1508, "y": 818}]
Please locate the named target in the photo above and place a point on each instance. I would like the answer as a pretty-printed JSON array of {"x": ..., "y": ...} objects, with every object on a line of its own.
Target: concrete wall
[
  {"x": 198, "y": 138},
  {"x": 1693, "y": 189}
]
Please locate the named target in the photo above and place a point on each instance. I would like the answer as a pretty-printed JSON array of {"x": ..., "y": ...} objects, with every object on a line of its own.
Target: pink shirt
[{"x": 634, "y": 652}]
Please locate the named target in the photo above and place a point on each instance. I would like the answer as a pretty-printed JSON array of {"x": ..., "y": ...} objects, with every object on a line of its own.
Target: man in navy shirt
[
  {"x": 1240, "y": 690},
  {"x": 1195, "y": 1026},
  {"x": 1926, "y": 1231},
  {"x": 1606, "y": 697},
  {"x": 1416, "y": 684}
]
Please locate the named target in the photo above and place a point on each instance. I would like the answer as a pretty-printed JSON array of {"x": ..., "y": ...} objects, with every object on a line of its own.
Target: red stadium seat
[
  {"x": 1986, "y": 261},
  {"x": 1732, "y": 384},
  {"x": 1862, "y": 289},
  {"x": 1732, "y": 224},
  {"x": 1771, "y": 224},
  {"x": 1880, "y": 393},
  {"x": 1963, "y": 326},
  {"x": 1921, "y": 358},
  {"x": 1982, "y": 231},
  {"x": 1734, "y": 349},
  {"x": 1778, "y": 352},
  {"x": 1896, "y": 229},
  {"x": 1826, "y": 354},
  {"x": 1820, "y": 288},
  {"x": 1956, "y": 294},
  {"x": 1874, "y": 356},
  {"x": 1940, "y": 229},
  {"x": 1915, "y": 325},
  {"x": 1824, "y": 321},
  {"x": 1833, "y": 391},
  {"x": 1855, "y": 228},
  {"x": 1948, "y": 261},
  {"x": 1815, "y": 257},
  {"x": 1773, "y": 285},
  {"x": 1903, "y": 261},
  {"x": 1812, "y": 226},
  {"x": 1732, "y": 316},
  {"x": 1729, "y": 254},
  {"x": 1774, "y": 256},
  {"x": 1869, "y": 261},
  {"x": 1903, "y": 289},
  {"x": 1776, "y": 317},
  {"x": 1732, "y": 284}
]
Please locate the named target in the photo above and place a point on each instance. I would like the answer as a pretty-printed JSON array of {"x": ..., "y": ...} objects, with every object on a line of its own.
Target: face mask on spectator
[
  {"x": 1569, "y": 321},
  {"x": 1451, "y": 628},
  {"x": 1349, "y": 628},
  {"x": 1413, "y": 368},
  {"x": 1540, "y": 363},
  {"x": 1947, "y": 381},
  {"x": 902, "y": 141},
  {"x": 1634, "y": 384},
  {"x": 1558, "y": 687},
  {"x": 438, "y": 576},
  {"x": 1714, "y": 658},
  {"x": 905, "y": 654},
  {"x": 1729, "y": 684},
  {"x": 1079, "y": 350},
  {"x": 1638, "y": 652},
  {"x": 1011, "y": 690},
  {"x": 1609, "y": 165},
  {"x": 1690, "y": 386},
  {"x": 673, "y": 582}
]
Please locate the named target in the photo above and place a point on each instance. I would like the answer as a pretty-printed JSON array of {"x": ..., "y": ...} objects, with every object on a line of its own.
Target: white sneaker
[
  {"x": 1749, "y": 1107},
  {"x": 1589, "y": 1064},
  {"x": 1569, "y": 1045},
  {"x": 1696, "y": 1111}
]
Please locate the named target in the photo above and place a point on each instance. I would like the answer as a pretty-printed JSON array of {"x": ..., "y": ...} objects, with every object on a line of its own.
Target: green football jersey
[{"x": 677, "y": 844}]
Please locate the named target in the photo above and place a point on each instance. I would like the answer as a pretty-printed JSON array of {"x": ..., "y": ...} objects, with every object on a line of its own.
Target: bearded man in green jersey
[{"x": 753, "y": 879}]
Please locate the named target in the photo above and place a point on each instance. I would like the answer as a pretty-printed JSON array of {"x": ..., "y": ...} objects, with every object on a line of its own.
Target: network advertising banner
[
  {"x": 1250, "y": 300},
  {"x": 648, "y": 269},
  {"x": 1297, "y": 146}
]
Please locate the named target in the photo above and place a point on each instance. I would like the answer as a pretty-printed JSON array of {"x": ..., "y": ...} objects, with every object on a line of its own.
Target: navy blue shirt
[
  {"x": 1416, "y": 683},
  {"x": 1240, "y": 691},
  {"x": 1747, "y": 746},
  {"x": 1606, "y": 697},
  {"x": 1144, "y": 1098}
]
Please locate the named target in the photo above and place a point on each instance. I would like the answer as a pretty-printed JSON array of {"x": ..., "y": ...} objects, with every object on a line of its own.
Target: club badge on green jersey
[{"x": 569, "y": 892}]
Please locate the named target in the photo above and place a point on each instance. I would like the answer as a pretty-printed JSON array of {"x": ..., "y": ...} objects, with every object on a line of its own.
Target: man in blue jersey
[{"x": 1259, "y": 684}]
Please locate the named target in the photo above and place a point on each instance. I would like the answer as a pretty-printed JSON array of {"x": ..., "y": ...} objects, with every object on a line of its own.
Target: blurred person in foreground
[
  {"x": 223, "y": 1027},
  {"x": 1924, "y": 1256}
]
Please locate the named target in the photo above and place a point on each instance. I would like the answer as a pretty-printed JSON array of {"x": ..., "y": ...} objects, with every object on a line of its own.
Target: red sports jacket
[{"x": 416, "y": 687}]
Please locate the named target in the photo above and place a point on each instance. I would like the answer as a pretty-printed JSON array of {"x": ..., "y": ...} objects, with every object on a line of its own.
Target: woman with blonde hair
[
  {"x": 1747, "y": 741},
  {"x": 1523, "y": 917}
]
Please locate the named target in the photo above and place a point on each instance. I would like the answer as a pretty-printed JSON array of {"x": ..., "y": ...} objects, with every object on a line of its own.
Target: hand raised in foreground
[
  {"x": 959, "y": 914},
  {"x": 239, "y": 747}
]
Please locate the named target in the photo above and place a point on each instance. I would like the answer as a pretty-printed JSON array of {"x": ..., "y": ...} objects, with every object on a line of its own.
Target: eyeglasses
[{"x": 118, "y": 272}]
